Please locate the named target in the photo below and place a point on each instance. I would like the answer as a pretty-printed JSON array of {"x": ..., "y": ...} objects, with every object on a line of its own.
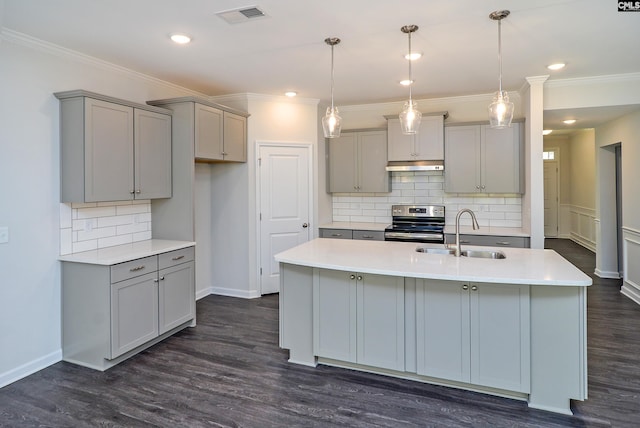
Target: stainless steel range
[{"x": 416, "y": 223}]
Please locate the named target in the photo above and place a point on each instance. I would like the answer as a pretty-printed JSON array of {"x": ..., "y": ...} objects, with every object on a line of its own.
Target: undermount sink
[
  {"x": 483, "y": 254},
  {"x": 434, "y": 250}
]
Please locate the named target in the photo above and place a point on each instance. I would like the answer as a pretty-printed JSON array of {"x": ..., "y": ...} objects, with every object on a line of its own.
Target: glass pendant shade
[
  {"x": 500, "y": 110},
  {"x": 410, "y": 118},
  {"x": 331, "y": 123}
]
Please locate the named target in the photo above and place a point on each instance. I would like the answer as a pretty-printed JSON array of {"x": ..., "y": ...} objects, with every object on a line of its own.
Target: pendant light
[
  {"x": 331, "y": 122},
  {"x": 501, "y": 109},
  {"x": 410, "y": 116}
]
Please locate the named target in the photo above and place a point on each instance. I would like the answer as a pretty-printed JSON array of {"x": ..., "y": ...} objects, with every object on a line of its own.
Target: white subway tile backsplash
[
  {"x": 91, "y": 226},
  {"x": 427, "y": 187}
]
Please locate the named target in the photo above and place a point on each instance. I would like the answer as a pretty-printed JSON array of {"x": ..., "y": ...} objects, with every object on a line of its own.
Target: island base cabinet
[
  {"x": 359, "y": 318},
  {"x": 474, "y": 333}
]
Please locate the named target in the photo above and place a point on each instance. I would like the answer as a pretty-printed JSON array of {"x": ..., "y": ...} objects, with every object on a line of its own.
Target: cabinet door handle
[
  {"x": 483, "y": 187},
  {"x": 132, "y": 191},
  {"x": 503, "y": 243},
  {"x": 478, "y": 187},
  {"x": 177, "y": 258},
  {"x": 155, "y": 280},
  {"x": 474, "y": 288},
  {"x": 162, "y": 278},
  {"x": 359, "y": 277},
  {"x": 352, "y": 276},
  {"x": 137, "y": 268},
  {"x": 138, "y": 191},
  {"x": 305, "y": 225},
  {"x": 465, "y": 287}
]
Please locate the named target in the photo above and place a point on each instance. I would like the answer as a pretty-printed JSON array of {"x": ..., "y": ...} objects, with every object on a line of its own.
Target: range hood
[{"x": 422, "y": 165}]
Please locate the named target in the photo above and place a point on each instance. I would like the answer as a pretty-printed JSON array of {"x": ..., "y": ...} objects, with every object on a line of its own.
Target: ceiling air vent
[{"x": 242, "y": 14}]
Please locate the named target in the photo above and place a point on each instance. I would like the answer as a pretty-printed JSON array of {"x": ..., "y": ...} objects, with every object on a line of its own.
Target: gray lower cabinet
[
  {"x": 480, "y": 159},
  {"x": 357, "y": 162},
  {"x": 359, "y": 318},
  {"x": 490, "y": 240},
  {"x": 369, "y": 235},
  {"x": 475, "y": 333},
  {"x": 113, "y": 150},
  {"x": 111, "y": 312}
]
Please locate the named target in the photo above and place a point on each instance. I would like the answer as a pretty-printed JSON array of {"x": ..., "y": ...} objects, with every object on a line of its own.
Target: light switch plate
[{"x": 4, "y": 234}]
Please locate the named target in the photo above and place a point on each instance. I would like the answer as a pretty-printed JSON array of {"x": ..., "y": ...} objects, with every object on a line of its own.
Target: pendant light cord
[
  {"x": 500, "y": 53},
  {"x": 332, "y": 77},
  {"x": 410, "y": 74}
]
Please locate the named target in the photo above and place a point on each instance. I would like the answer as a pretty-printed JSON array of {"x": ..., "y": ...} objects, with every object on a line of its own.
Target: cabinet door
[
  {"x": 462, "y": 159},
  {"x": 401, "y": 146},
  {"x": 108, "y": 154},
  {"x": 208, "y": 132},
  {"x": 380, "y": 321},
  {"x": 152, "y": 155},
  {"x": 430, "y": 140},
  {"x": 176, "y": 296},
  {"x": 501, "y": 164},
  {"x": 235, "y": 137},
  {"x": 134, "y": 313},
  {"x": 342, "y": 163},
  {"x": 372, "y": 160},
  {"x": 442, "y": 330},
  {"x": 500, "y": 336},
  {"x": 334, "y": 315}
]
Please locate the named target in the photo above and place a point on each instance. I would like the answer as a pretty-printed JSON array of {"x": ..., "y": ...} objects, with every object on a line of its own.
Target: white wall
[
  {"x": 234, "y": 206},
  {"x": 583, "y": 188},
  {"x": 30, "y": 72}
]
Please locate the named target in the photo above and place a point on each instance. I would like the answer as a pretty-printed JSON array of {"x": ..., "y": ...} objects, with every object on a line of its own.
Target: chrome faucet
[{"x": 474, "y": 223}]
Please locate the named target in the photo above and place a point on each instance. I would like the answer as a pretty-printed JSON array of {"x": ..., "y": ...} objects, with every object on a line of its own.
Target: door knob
[{"x": 305, "y": 225}]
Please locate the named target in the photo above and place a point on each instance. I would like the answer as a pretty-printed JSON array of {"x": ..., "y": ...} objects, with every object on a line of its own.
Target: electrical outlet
[{"x": 4, "y": 234}]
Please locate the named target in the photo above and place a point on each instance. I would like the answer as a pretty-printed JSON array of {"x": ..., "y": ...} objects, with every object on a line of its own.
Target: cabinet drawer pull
[
  {"x": 367, "y": 237},
  {"x": 464, "y": 241},
  {"x": 503, "y": 243},
  {"x": 177, "y": 258},
  {"x": 336, "y": 234},
  {"x": 137, "y": 268}
]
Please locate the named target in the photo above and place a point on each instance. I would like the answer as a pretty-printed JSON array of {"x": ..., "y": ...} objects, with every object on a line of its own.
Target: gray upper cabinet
[
  {"x": 357, "y": 162},
  {"x": 112, "y": 150},
  {"x": 427, "y": 144},
  {"x": 480, "y": 159},
  {"x": 219, "y": 133}
]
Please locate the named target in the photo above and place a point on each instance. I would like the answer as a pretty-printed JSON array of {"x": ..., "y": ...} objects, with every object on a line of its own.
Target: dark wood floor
[{"x": 229, "y": 372}]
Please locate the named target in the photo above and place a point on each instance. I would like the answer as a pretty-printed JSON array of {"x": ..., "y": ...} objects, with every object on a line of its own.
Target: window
[{"x": 549, "y": 155}]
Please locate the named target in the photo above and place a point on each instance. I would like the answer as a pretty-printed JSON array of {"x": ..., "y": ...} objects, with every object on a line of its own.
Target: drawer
[
  {"x": 490, "y": 240},
  {"x": 134, "y": 268},
  {"x": 370, "y": 235},
  {"x": 176, "y": 257},
  {"x": 336, "y": 233}
]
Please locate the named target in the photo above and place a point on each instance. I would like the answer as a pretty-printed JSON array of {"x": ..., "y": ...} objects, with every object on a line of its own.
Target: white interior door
[
  {"x": 285, "y": 200},
  {"x": 550, "y": 199}
]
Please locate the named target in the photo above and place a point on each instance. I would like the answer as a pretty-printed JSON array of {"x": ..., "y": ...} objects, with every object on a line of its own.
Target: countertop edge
[{"x": 123, "y": 253}]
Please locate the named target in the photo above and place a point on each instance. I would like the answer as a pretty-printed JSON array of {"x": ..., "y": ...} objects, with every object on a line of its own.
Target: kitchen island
[{"x": 513, "y": 327}]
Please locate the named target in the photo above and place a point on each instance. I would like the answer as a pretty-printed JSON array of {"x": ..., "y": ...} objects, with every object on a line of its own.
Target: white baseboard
[
  {"x": 607, "y": 274},
  {"x": 631, "y": 292},
  {"x": 589, "y": 245},
  {"x": 204, "y": 293},
  {"x": 30, "y": 368},
  {"x": 234, "y": 292}
]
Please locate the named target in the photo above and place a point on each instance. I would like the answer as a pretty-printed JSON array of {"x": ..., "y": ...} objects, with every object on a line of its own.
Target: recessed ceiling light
[
  {"x": 414, "y": 56},
  {"x": 291, "y": 94},
  {"x": 181, "y": 39},
  {"x": 569, "y": 121},
  {"x": 556, "y": 66},
  {"x": 406, "y": 82},
  {"x": 547, "y": 131}
]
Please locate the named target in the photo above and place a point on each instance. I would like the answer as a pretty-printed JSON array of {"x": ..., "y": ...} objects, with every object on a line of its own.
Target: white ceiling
[{"x": 286, "y": 50}]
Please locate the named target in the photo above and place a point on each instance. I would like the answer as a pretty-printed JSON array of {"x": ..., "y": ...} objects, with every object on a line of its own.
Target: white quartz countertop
[
  {"x": 124, "y": 253},
  {"x": 355, "y": 226},
  {"x": 487, "y": 230},
  {"x": 521, "y": 266}
]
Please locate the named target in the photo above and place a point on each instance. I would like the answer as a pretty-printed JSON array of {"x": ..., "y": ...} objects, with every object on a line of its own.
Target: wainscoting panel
[
  {"x": 564, "y": 221},
  {"x": 631, "y": 255},
  {"x": 583, "y": 229}
]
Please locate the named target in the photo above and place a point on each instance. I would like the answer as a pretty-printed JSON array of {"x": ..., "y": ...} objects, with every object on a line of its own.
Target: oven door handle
[{"x": 409, "y": 235}]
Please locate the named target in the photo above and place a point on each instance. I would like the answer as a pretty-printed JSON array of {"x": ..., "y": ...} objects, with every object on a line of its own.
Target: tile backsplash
[
  {"x": 427, "y": 187},
  {"x": 92, "y": 226}
]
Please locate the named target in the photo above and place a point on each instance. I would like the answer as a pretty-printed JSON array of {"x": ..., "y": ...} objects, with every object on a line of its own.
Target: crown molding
[
  {"x": 594, "y": 80},
  {"x": 50, "y": 48},
  {"x": 250, "y": 96}
]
